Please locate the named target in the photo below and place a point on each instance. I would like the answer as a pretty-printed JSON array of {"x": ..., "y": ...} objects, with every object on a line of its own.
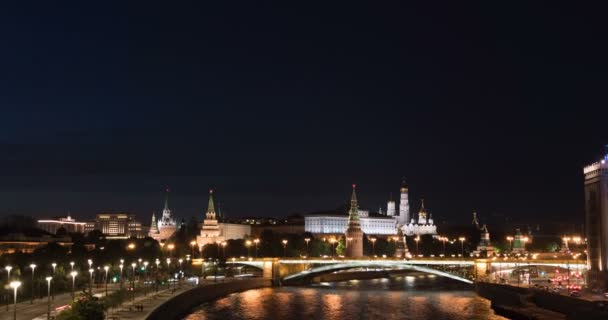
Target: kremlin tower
[
  {"x": 210, "y": 232},
  {"x": 404, "y": 206},
  {"x": 354, "y": 235},
  {"x": 154, "y": 233},
  {"x": 166, "y": 225}
]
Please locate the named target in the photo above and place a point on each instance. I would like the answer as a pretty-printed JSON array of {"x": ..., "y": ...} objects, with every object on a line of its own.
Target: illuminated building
[
  {"x": 404, "y": 206},
  {"x": 485, "y": 247},
  {"x": 596, "y": 212},
  {"x": 354, "y": 234},
  {"x": 423, "y": 225},
  {"x": 210, "y": 232},
  {"x": 70, "y": 225},
  {"x": 154, "y": 233},
  {"x": 166, "y": 224}
]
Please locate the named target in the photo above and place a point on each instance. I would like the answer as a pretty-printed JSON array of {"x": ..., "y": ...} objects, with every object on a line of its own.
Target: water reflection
[{"x": 409, "y": 297}]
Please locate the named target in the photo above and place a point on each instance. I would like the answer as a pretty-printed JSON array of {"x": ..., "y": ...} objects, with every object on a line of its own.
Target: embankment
[
  {"x": 524, "y": 303},
  {"x": 182, "y": 304}
]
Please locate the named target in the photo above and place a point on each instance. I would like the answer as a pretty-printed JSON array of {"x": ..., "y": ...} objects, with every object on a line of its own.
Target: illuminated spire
[
  {"x": 167, "y": 199},
  {"x": 153, "y": 225},
  {"x": 210, "y": 206},
  {"x": 353, "y": 214}
]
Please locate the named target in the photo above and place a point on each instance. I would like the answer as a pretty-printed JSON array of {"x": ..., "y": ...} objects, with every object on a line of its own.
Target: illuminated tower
[
  {"x": 422, "y": 214},
  {"x": 166, "y": 225},
  {"x": 390, "y": 207},
  {"x": 154, "y": 232},
  {"x": 354, "y": 235},
  {"x": 210, "y": 232},
  {"x": 596, "y": 209},
  {"x": 404, "y": 206}
]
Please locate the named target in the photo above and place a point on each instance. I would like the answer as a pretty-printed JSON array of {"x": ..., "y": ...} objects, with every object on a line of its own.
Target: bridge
[{"x": 290, "y": 270}]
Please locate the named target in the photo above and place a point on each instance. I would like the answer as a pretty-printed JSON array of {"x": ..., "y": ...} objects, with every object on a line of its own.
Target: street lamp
[
  {"x": 510, "y": 239},
  {"x": 525, "y": 240},
  {"x": 91, "y": 280},
  {"x": 72, "y": 265},
  {"x": 307, "y": 240},
  {"x": 106, "y": 268},
  {"x": 417, "y": 239},
  {"x": 33, "y": 267},
  {"x": 48, "y": 298},
  {"x": 256, "y": 241},
  {"x": 224, "y": 244},
  {"x": 73, "y": 274},
  {"x": 121, "y": 266},
  {"x": 248, "y": 245},
  {"x": 131, "y": 246},
  {"x": 133, "y": 277},
  {"x": 462, "y": 245},
  {"x": 192, "y": 244},
  {"x": 332, "y": 241},
  {"x": 15, "y": 285},
  {"x": 444, "y": 240},
  {"x": 284, "y": 247},
  {"x": 54, "y": 265},
  {"x": 170, "y": 246},
  {"x": 373, "y": 240}
]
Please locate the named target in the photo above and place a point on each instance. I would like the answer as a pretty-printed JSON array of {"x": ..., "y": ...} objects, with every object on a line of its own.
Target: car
[{"x": 575, "y": 293}]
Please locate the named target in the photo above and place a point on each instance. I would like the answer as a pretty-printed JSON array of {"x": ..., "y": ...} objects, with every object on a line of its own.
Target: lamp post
[
  {"x": 8, "y": 279},
  {"x": 33, "y": 267},
  {"x": 15, "y": 285},
  {"x": 224, "y": 244},
  {"x": 133, "y": 264},
  {"x": 525, "y": 240},
  {"x": 72, "y": 265},
  {"x": 307, "y": 240},
  {"x": 417, "y": 239},
  {"x": 54, "y": 265},
  {"x": 373, "y": 240},
  {"x": 510, "y": 239},
  {"x": 106, "y": 268},
  {"x": 566, "y": 239},
  {"x": 256, "y": 241},
  {"x": 443, "y": 240},
  {"x": 73, "y": 274},
  {"x": 462, "y": 245},
  {"x": 121, "y": 266},
  {"x": 91, "y": 280},
  {"x": 284, "y": 247},
  {"x": 48, "y": 298},
  {"x": 192, "y": 245},
  {"x": 248, "y": 245}
]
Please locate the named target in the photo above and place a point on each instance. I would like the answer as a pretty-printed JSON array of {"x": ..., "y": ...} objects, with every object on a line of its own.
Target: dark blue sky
[{"x": 281, "y": 108}]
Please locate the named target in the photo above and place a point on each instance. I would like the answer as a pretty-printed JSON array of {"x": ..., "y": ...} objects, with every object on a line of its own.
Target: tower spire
[
  {"x": 210, "y": 206},
  {"x": 354, "y": 206},
  {"x": 167, "y": 198}
]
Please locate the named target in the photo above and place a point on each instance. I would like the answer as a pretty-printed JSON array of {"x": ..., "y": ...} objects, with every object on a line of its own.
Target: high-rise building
[
  {"x": 596, "y": 207},
  {"x": 210, "y": 232},
  {"x": 353, "y": 234},
  {"x": 166, "y": 225},
  {"x": 404, "y": 205}
]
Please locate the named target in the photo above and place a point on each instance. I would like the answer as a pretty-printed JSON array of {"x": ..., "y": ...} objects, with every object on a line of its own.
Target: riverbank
[
  {"x": 182, "y": 304},
  {"x": 524, "y": 303}
]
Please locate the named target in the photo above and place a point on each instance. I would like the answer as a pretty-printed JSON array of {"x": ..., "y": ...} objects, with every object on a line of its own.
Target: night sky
[{"x": 281, "y": 108}]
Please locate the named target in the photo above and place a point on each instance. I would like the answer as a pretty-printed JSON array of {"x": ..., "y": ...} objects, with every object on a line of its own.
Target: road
[{"x": 38, "y": 310}]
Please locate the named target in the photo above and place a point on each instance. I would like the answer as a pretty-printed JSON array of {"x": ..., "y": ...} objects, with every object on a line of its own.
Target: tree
[{"x": 86, "y": 307}]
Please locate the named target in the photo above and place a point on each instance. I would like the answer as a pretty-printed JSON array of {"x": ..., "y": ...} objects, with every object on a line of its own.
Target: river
[{"x": 403, "y": 297}]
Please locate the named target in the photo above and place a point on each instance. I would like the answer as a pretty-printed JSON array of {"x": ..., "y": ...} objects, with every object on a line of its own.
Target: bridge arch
[{"x": 328, "y": 268}]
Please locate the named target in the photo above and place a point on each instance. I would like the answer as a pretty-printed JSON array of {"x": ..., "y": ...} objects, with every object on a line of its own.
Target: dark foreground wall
[
  {"x": 528, "y": 302},
  {"x": 182, "y": 304}
]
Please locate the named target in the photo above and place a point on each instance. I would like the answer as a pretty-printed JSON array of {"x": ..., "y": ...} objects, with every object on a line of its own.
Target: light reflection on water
[{"x": 406, "y": 297}]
